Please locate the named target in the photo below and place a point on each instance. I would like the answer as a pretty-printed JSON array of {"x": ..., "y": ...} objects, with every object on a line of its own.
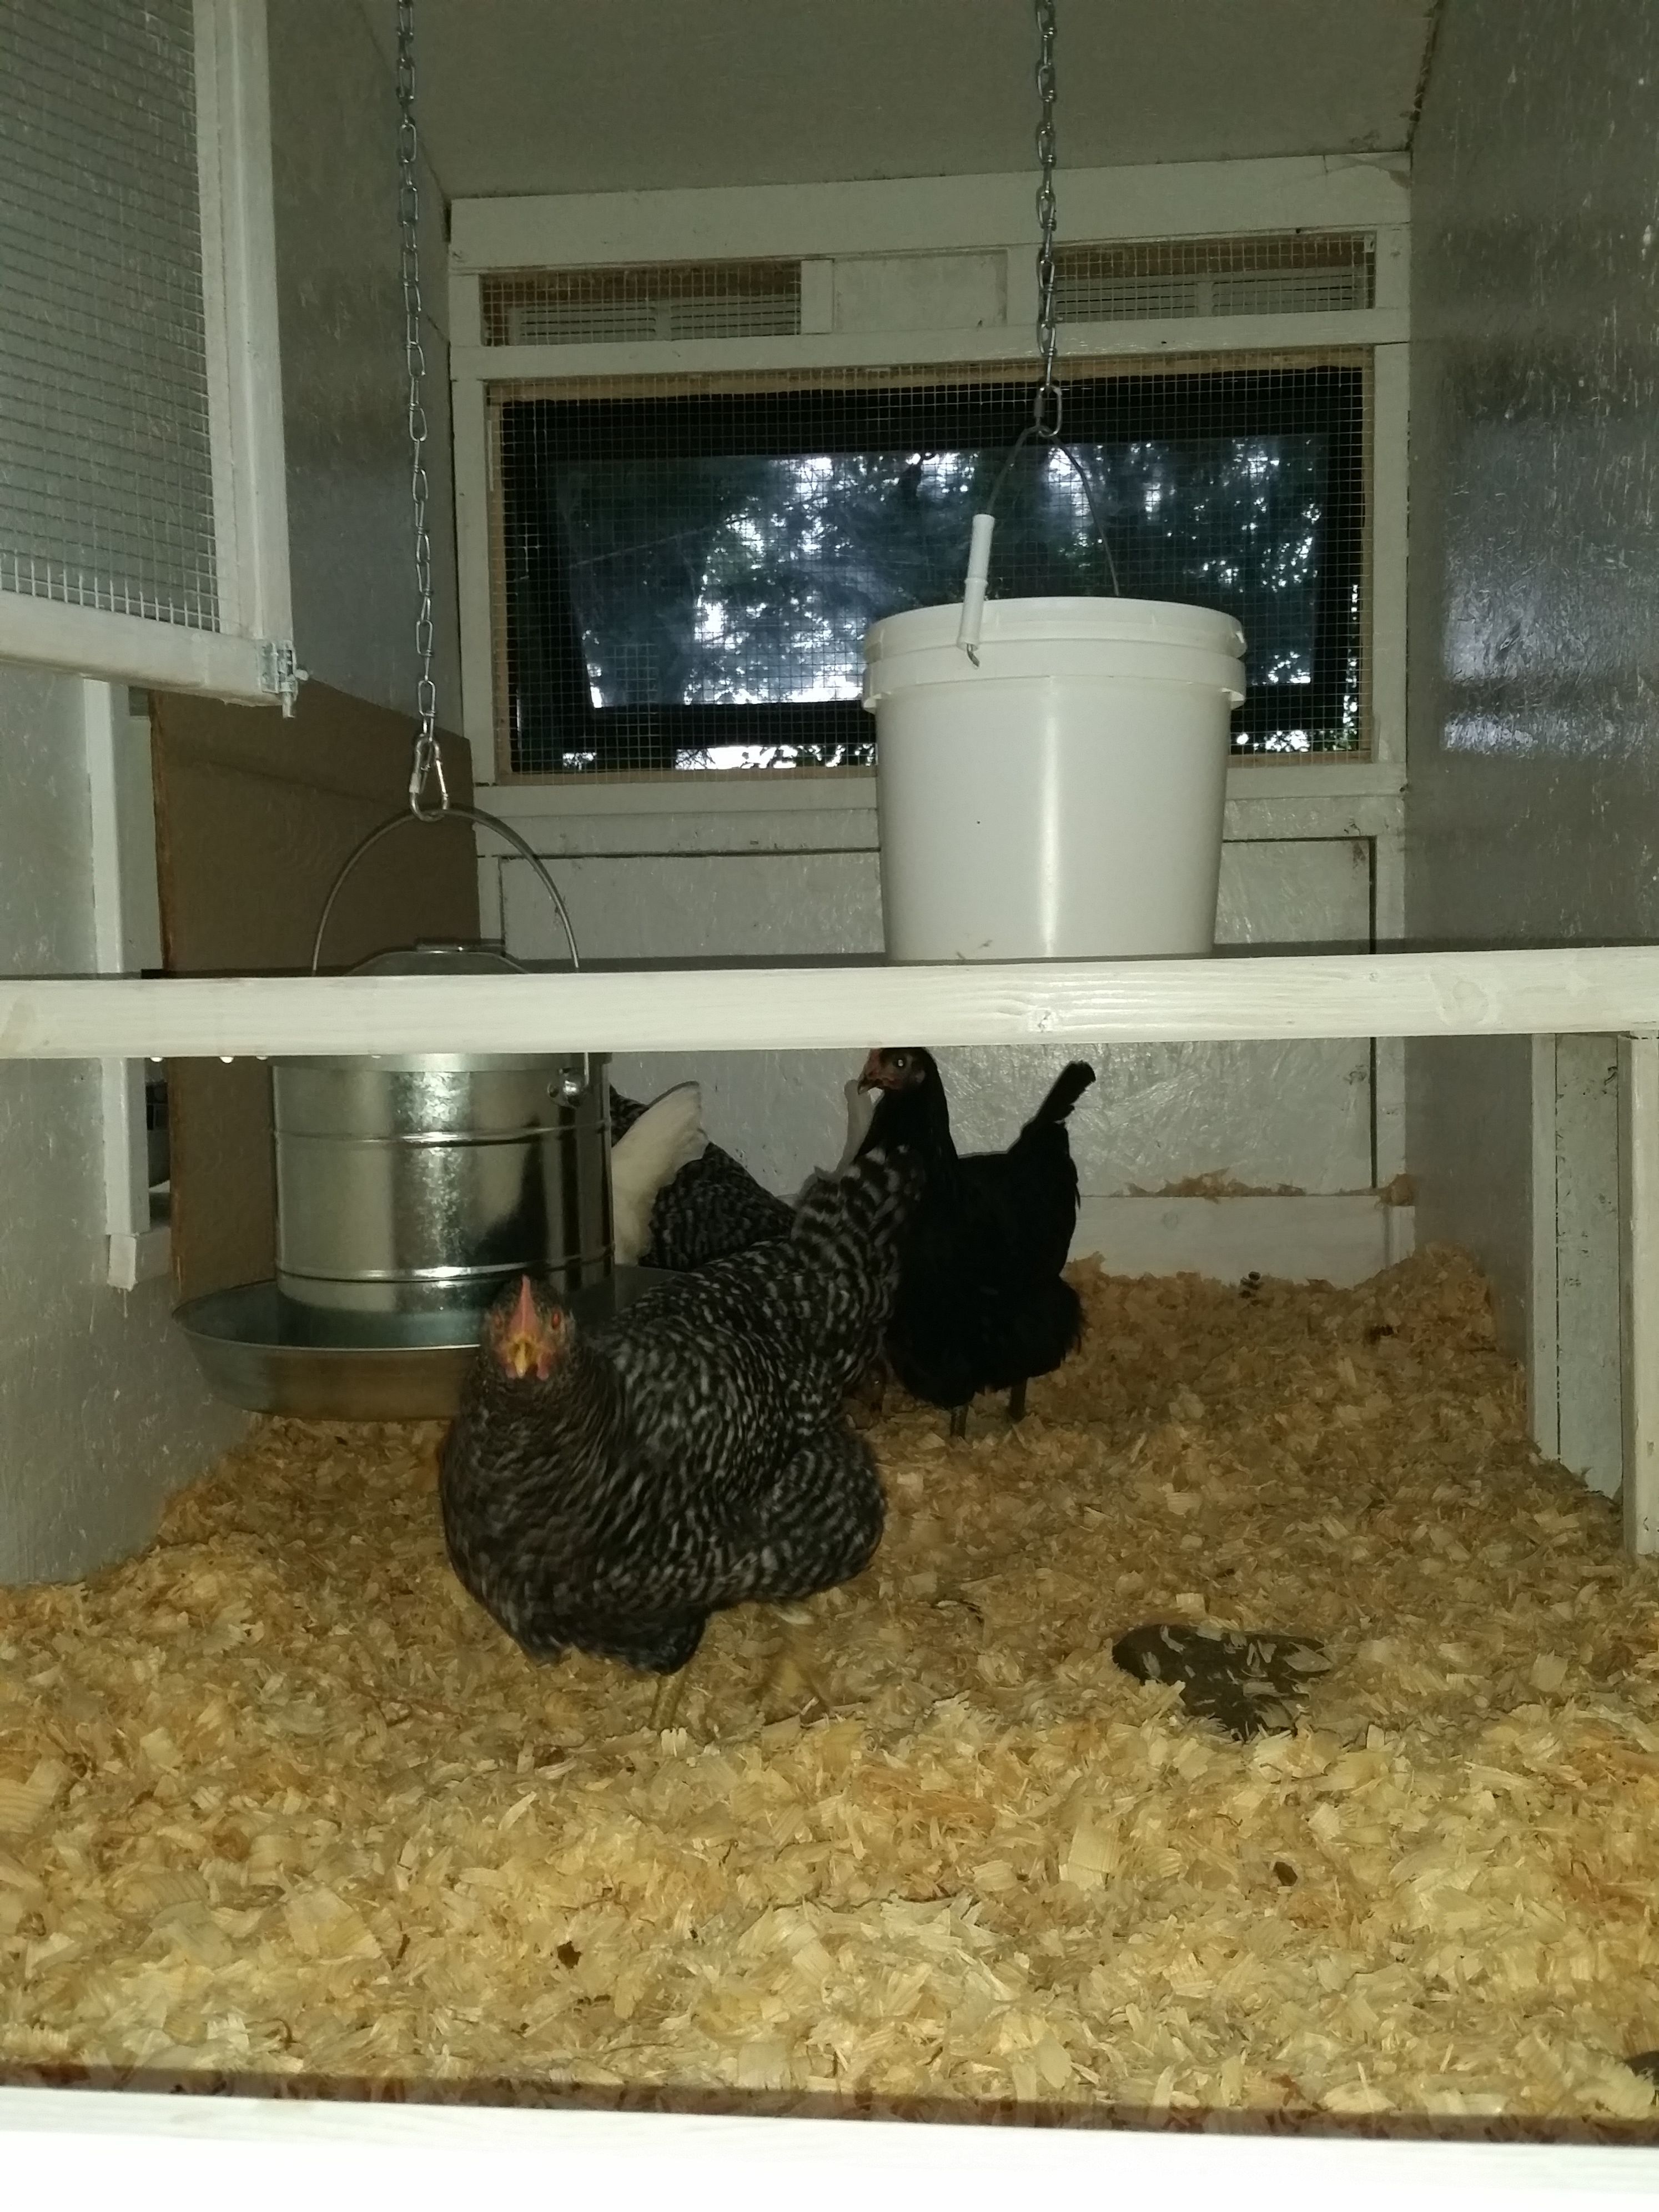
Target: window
[
  {"x": 684, "y": 576},
  {"x": 143, "y": 507}
]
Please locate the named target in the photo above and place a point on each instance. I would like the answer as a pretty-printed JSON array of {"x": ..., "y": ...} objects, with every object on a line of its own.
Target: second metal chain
[
  {"x": 1049, "y": 404},
  {"x": 428, "y": 765}
]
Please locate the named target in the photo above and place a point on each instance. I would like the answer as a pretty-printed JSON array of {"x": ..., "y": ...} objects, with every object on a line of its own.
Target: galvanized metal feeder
[{"x": 410, "y": 1189}]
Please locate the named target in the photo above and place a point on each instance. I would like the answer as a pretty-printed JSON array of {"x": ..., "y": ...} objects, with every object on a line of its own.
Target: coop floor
[{"x": 276, "y": 1801}]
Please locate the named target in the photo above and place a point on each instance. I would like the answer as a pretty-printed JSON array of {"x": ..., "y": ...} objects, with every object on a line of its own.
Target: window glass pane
[
  {"x": 738, "y": 581},
  {"x": 691, "y": 586}
]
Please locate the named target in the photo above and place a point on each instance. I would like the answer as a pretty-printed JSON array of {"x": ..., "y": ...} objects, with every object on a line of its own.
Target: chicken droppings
[{"x": 281, "y": 1809}]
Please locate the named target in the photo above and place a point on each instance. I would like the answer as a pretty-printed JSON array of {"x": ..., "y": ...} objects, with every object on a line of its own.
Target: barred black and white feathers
[
  {"x": 708, "y": 1207},
  {"x": 610, "y": 1489}
]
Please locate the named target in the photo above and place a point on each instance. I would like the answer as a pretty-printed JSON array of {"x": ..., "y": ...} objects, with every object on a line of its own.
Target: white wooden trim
[
  {"x": 121, "y": 1082},
  {"x": 1010, "y": 344},
  {"x": 1330, "y": 786},
  {"x": 1543, "y": 1301},
  {"x": 215, "y": 164},
  {"x": 240, "y": 284},
  {"x": 78, "y": 2146},
  {"x": 1388, "y": 836},
  {"x": 126, "y": 934},
  {"x": 1638, "y": 1147},
  {"x": 469, "y": 419},
  {"x": 841, "y": 1006},
  {"x": 140, "y": 1257},
  {"x": 1393, "y": 266},
  {"x": 1174, "y": 199},
  {"x": 129, "y": 649},
  {"x": 1390, "y": 454}
]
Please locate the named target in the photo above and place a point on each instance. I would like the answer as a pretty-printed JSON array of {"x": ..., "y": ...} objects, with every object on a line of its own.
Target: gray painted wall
[
  {"x": 1534, "y": 807},
  {"x": 101, "y": 1410},
  {"x": 334, "y": 126}
]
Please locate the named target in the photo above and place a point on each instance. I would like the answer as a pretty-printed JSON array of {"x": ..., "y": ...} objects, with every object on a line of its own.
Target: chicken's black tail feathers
[{"x": 1067, "y": 1088}]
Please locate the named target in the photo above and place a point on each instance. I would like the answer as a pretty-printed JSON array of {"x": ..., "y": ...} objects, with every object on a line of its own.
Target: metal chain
[
  {"x": 428, "y": 765},
  {"x": 1049, "y": 405}
]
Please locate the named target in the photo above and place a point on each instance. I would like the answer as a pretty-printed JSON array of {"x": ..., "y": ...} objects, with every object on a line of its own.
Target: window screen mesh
[
  {"x": 105, "y": 465},
  {"x": 638, "y": 306},
  {"x": 683, "y": 577},
  {"x": 1298, "y": 274}
]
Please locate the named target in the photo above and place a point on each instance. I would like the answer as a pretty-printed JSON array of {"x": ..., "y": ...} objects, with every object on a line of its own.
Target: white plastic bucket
[{"x": 1063, "y": 798}]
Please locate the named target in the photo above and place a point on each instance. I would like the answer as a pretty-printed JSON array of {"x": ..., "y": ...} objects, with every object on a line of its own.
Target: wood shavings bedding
[{"x": 280, "y": 1807}]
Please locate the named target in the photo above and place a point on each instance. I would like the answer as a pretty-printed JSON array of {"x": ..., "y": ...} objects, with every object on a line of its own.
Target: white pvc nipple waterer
[{"x": 972, "y": 590}]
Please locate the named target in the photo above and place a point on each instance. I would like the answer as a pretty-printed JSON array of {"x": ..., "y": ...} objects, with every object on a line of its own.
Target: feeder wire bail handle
[
  {"x": 428, "y": 765},
  {"x": 1048, "y": 407}
]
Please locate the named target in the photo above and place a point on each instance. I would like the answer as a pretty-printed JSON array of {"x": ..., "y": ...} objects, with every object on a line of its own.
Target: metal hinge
[{"x": 279, "y": 673}]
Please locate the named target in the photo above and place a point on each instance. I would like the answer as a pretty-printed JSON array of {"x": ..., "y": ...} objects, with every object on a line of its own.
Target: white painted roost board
[
  {"x": 1601, "y": 990},
  {"x": 843, "y": 1005},
  {"x": 140, "y": 2151}
]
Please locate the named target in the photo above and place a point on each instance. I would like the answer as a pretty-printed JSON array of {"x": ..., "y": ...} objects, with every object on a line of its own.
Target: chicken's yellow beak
[{"x": 521, "y": 1344}]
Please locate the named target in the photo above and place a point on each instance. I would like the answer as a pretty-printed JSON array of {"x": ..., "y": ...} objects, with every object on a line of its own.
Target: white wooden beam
[
  {"x": 1639, "y": 1154},
  {"x": 928, "y": 214},
  {"x": 842, "y": 1004},
  {"x": 1173, "y": 337},
  {"x": 82, "y": 2146}
]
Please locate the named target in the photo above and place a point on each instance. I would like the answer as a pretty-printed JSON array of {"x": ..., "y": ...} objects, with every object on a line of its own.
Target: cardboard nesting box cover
[{"x": 254, "y": 815}]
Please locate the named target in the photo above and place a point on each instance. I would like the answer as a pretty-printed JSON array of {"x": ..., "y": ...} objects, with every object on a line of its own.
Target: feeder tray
[{"x": 264, "y": 1351}]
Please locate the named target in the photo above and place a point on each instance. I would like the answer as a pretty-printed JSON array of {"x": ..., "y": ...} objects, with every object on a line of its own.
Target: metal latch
[{"x": 279, "y": 673}]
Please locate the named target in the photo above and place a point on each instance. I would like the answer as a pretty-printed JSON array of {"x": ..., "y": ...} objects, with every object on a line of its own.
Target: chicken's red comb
[{"x": 524, "y": 1316}]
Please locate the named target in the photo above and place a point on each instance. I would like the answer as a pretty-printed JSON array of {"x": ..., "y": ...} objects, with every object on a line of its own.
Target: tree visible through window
[{"x": 688, "y": 579}]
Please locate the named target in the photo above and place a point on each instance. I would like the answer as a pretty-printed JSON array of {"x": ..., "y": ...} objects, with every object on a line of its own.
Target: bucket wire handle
[{"x": 1048, "y": 405}]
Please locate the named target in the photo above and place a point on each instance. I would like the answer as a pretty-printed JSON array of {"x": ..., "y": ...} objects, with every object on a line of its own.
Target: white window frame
[
  {"x": 250, "y": 655},
  {"x": 1266, "y": 797},
  {"x": 816, "y": 224},
  {"x": 126, "y": 925}
]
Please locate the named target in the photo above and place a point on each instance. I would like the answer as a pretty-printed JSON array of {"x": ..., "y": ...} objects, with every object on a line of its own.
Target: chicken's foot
[
  {"x": 1016, "y": 1401},
  {"x": 958, "y": 1420},
  {"x": 794, "y": 1658}
]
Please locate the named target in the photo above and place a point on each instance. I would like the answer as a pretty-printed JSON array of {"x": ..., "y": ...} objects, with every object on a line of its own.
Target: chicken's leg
[
  {"x": 958, "y": 1420},
  {"x": 666, "y": 1703},
  {"x": 1016, "y": 1401}
]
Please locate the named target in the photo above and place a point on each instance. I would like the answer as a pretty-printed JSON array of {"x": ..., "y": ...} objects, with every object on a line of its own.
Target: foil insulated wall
[{"x": 1533, "y": 810}]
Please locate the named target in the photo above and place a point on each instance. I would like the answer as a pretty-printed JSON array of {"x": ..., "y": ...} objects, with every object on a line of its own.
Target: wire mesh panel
[
  {"x": 684, "y": 574},
  {"x": 633, "y": 305},
  {"x": 106, "y": 466},
  {"x": 1301, "y": 273}
]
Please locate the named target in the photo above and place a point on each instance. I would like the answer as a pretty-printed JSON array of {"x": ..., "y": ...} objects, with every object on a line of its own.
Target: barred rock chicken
[
  {"x": 609, "y": 1488},
  {"x": 982, "y": 1304},
  {"x": 707, "y": 1208}
]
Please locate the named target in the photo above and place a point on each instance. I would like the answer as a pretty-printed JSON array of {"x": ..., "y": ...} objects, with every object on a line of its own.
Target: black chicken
[
  {"x": 610, "y": 1488},
  {"x": 710, "y": 1208},
  {"x": 982, "y": 1304}
]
